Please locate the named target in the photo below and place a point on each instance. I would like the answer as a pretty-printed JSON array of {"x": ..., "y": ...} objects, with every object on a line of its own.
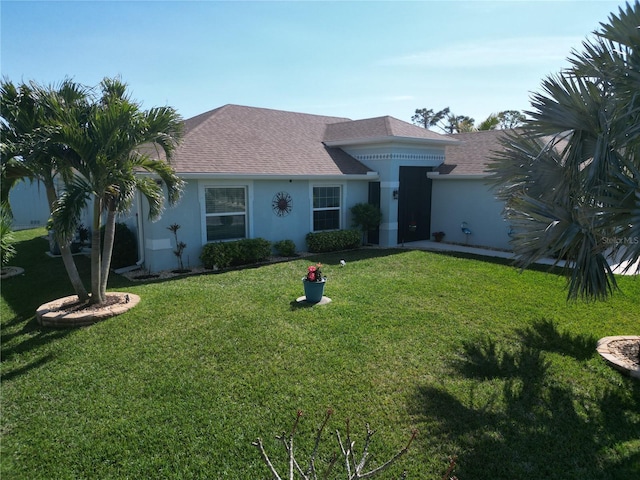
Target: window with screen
[
  {"x": 326, "y": 208},
  {"x": 226, "y": 213}
]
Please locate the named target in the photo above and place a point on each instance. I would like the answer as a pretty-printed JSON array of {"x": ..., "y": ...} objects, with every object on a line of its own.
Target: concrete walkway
[{"x": 617, "y": 268}]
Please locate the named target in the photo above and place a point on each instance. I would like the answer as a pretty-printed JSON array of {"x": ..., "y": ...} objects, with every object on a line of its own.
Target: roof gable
[{"x": 377, "y": 129}]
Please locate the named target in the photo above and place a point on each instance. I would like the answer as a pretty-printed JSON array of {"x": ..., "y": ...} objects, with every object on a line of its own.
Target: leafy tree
[
  {"x": 427, "y": 118},
  {"x": 571, "y": 178},
  {"x": 443, "y": 119},
  {"x": 27, "y": 152},
  {"x": 510, "y": 119},
  {"x": 113, "y": 140},
  {"x": 451, "y": 123}
]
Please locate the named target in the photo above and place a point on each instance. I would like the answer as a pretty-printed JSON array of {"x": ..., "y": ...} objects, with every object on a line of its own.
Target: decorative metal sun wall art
[{"x": 282, "y": 204}]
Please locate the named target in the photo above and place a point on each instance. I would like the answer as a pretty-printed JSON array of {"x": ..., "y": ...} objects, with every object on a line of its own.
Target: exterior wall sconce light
[{"x": 395, "y": 194}]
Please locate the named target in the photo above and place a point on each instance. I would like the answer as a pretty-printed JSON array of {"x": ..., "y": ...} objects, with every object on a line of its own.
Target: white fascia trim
[
  {"x": 369, "y": 176},
  {"x": 391, "y": 139},
  {"x": 469, "y": 176}
]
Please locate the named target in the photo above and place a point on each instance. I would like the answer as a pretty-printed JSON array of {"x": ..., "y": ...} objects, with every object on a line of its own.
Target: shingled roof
[
  {"x": 379, "y": 128},
  {"x": 239, "y": 140},
  {"x": 473, "y": 154}
]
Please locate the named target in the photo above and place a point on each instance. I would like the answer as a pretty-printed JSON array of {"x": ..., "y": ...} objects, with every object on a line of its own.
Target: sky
[{"x": 353, "y": 59}]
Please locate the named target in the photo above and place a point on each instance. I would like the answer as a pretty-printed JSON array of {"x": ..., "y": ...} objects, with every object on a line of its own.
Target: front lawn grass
[{"x": 492, "y": 366}]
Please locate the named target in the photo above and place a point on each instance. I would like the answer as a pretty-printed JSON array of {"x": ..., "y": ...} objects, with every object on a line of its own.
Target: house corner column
[{"x": 389, "y": 208}]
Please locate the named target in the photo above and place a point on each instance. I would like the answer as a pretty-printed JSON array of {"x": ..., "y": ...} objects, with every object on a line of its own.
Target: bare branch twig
[
  {"x": 347, "y": 449},
  {"x": 265, "y": 457}
]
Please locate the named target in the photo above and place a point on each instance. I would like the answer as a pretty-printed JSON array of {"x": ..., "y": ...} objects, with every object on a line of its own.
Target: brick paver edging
[
  {"x": 625, "y": 366},
  {"x": 61, "y": 313}
]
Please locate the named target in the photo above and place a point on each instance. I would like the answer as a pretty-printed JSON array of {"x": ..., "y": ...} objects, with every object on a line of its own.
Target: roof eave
[
  {"x": 453, "y": 176},
  {"x": 391, "y": 139},
  {"x": 369, "y": 176}
]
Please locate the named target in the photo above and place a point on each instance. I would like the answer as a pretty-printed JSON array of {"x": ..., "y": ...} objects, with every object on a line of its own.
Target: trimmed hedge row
[
  {"x": 239, "y": 252},
  {"x": 333, "y": 241},
  {"x": 254, "y": 250}
]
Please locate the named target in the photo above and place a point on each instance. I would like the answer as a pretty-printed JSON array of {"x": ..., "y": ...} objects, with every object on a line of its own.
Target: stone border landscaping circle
[
  {"x": 608, "y": 348},
  {"x": 66, "y": 312},
  {"x": 8, "y": 272}
]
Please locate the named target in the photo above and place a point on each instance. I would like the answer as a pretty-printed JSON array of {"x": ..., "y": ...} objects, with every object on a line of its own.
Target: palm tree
[
  {"x": 570, "y": 178},
  {"x": 490, "y": 123},
  {"x": 114, "y": 143},
  {"x": 459, "y": 124},
  {"x": 27, "y": 153}
]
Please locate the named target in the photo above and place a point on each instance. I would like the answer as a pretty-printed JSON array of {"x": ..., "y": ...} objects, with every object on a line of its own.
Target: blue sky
[{"x": 354, "y": 59}]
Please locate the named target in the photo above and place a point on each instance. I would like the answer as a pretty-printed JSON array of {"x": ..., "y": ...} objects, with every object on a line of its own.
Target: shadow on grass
[
  {"x": 520, "y": 421},
  {"x": 21, "y": 336},
  {"x": 43, "y": 280},
  {"x": 544, "y": 335}
]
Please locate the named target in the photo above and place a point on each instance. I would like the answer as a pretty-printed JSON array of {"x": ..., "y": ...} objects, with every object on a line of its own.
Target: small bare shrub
[{"x": 355, "y": 468}]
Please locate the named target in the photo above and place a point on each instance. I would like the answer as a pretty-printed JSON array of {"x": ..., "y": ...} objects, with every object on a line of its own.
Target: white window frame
[
  {"x": 320, "y": 209},
  {"x": 206, "y": 215}
]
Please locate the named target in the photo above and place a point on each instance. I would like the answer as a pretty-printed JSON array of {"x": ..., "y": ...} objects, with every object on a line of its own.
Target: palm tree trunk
[
  {"x": 96, "y": 253},
  {"x": 107, "y": 249},
  {"x": 65, "y": 253}
]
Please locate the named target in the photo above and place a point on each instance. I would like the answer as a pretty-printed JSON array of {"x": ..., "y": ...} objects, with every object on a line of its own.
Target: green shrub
[
  {"x": 285, "y": 248},
  {"x": 333, "y": 241},
  {"x": 125, "y": 246},
  {"x": 7, "y": 249},
  {"x": 216, "y": 254},
  {"x": 366, "y": 216},
  {"x": 253, "y": 250},
  {"x": 239, "y": 252}
]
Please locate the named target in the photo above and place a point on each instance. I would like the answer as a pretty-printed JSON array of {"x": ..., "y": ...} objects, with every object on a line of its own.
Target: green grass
[{"x": 490, "y": 365}]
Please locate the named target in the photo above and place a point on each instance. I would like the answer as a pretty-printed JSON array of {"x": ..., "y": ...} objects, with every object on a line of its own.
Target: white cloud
[{"x": 491, "y": 53}]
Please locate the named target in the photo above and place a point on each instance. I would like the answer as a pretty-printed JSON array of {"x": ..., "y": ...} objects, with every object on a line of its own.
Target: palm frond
[
  {"x": 69, "y": 207},
  {"x": 166, "y": 129},
  {"x": 529, "y": 164},
  {"x": 543, "y": 229},
  {"x": 154, "y": 195},
  {"x": 622, "y": 28}
]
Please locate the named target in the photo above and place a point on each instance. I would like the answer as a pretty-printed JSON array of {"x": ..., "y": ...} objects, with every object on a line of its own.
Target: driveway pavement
[{"x": 617, "y": 266}]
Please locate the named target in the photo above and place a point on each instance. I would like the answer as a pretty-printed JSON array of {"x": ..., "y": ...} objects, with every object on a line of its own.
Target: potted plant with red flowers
[{"x": 313, "y": 283}]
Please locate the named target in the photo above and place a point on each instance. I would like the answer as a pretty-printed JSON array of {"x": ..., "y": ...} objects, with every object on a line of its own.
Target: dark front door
[
  {"x": 373, "y": 236},
  {"x": 414, "y": 204}
]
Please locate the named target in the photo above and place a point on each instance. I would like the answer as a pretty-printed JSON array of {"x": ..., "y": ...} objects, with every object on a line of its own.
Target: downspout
[{"x": 140, "y": 232}]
